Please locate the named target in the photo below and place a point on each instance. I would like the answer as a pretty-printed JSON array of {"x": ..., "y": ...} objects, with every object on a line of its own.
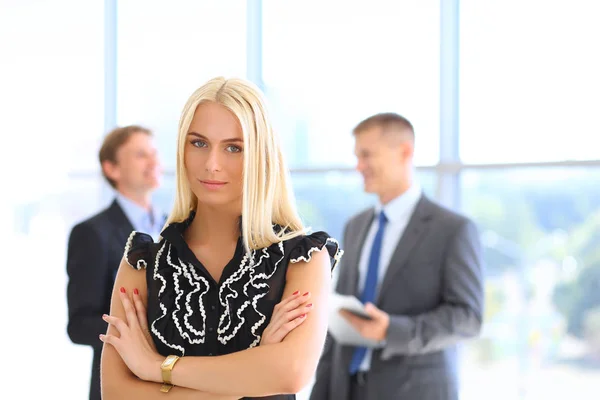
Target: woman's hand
[
  {"x": 134, "y": 343},
  {"x": 287, "y": 315}
]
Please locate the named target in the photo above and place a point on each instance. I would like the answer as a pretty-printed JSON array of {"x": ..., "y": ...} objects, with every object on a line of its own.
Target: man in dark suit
[
  {"x": 130, "y": 165},
  {"x": 417, "y": 267}
]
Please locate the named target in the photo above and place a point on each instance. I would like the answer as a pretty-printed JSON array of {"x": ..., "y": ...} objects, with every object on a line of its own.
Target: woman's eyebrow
[{"x": 201, "y": 136}]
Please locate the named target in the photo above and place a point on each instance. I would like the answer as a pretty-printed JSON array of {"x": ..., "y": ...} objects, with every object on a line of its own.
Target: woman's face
[{"x": 213, "y": 156}]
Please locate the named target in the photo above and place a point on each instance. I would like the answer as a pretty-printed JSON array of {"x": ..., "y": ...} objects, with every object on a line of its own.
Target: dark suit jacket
[
  {"x": 433, "y": 293},
  {"x": 95, "y": 250}
]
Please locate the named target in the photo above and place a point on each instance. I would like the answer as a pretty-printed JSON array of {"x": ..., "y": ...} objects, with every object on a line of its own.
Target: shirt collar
[
  {"x": 174, "y": 234},
  {"x": 135, "y": 213},
  {"x": 175, "y": 230},
  {"x": 402, "y": 205}
]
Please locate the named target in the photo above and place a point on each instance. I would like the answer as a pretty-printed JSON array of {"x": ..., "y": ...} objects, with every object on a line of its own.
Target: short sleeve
[
  {"x": 138, "y": 250},
  {"x": 306, "y": 245}
]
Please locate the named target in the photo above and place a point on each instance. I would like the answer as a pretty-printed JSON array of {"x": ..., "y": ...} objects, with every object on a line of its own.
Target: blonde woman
[{"x": 232, "y": 302}]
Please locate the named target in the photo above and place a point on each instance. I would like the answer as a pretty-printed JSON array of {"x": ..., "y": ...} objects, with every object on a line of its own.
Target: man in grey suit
[{"x": 417, "y": 267}]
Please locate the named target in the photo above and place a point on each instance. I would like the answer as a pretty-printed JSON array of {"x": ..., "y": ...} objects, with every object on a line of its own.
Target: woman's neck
[{"x": 212, "y": 225}]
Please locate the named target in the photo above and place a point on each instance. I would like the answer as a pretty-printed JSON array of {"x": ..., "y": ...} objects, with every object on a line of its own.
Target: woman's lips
[{"x": 213, "y": 185}]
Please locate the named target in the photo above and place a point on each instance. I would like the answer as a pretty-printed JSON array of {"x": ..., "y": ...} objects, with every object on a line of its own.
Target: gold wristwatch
[{"x": 165, "y": 368}]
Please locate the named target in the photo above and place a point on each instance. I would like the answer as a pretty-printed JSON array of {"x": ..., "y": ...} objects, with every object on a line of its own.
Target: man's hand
[{"x": 374, "y": 328}]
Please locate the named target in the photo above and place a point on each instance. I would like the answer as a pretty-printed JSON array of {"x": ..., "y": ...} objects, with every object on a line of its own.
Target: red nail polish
[
  {"x": 135, "y": 291},
  {"x": 309, "y": 305},
  {"x": 122, "y": 290},
  {"x": 303, "y": 315},
  {"x": 305, "y": 294},
  {"x": 295, "y": 293}
]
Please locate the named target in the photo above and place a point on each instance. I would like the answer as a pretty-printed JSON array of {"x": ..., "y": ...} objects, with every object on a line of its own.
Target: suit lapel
[
  {"x": 416, "y": 227},
  {"x": 364, "y": 224},
  {"x": 120, "y": 222},
  {"x": 353, "y": 249}
]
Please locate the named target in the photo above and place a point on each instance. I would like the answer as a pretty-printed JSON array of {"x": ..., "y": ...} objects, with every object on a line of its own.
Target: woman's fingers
[
  {"x": 288, "y": 314},
  {"x": 112, "y": 340},
  {"x": 140, "y": 310},
  {"x": 286, "y": 328},
  {"x": 289, "y": 321},
  {"x": 291, "y": 297},
  {"x": 297, "y": 312},
  {"x": 290, "y": 325},
  {"x": 130, "y": 312},
  {"x": 296, "y": 301},
  {"x": 116, "y": 322},
  {"x": 292, "y": 302}
]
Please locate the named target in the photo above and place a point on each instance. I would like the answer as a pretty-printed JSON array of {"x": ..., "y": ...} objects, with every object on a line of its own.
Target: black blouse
[{"x": 190, "y": 314}]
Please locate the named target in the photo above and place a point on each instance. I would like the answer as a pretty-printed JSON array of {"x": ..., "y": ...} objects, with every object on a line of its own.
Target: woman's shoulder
[
  {"x": 301, "y": 248},
  {"x": 139, "y": 250}
]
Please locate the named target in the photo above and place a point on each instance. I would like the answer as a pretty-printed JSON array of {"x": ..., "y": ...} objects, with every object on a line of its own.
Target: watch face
[{"x": 168, "y": 362}]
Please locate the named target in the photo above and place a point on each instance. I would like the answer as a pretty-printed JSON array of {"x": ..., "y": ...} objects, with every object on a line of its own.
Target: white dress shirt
[
  {"x": 398, "y": 213},
  {"x": 142, "y": 220}
]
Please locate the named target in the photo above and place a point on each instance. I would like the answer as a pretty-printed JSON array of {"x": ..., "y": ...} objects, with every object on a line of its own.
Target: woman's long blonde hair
[{"x": 267, "y": 196}]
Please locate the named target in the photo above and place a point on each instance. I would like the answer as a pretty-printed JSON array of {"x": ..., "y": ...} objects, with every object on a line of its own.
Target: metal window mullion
[
  {"x": 254, "y": 46},
  {"x": 448, "y": 185},
  {"x": 110, "y": 75}
]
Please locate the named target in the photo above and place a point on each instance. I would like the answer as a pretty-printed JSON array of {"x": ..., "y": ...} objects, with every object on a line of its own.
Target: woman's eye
[
  {"x": 233, "y": 149},
  {"x": 199, "y": 143}
]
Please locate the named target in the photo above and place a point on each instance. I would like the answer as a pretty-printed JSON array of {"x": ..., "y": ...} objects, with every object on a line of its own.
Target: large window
[
  {"x": 326, "y": 70},
  {"x": 166, "y": 51},
  {"x": 51, "y": 80},
  {"x": 327, "y": 200},
  {"x": 529, "y": 82},
  {"x": 540, "y": 229},
  {"x": 528, "y": 91}
]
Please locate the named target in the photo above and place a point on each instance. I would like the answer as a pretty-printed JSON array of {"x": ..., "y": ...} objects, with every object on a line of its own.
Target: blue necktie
[{"x": 370, "y": 288}]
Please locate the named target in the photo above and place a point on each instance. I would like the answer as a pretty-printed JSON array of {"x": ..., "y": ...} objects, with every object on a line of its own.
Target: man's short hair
[
  {"x": 113, "y": 141},
  {"x": 388, "y": 122}
]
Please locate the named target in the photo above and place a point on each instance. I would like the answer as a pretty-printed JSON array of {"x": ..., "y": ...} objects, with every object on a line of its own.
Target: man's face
[
  {"x": 381, "y": 160},
  {"x": 137, "y": 168}
]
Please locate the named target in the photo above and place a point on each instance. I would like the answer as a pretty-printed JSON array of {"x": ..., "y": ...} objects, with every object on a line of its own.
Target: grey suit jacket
[{"x": 433, "y": 293}]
